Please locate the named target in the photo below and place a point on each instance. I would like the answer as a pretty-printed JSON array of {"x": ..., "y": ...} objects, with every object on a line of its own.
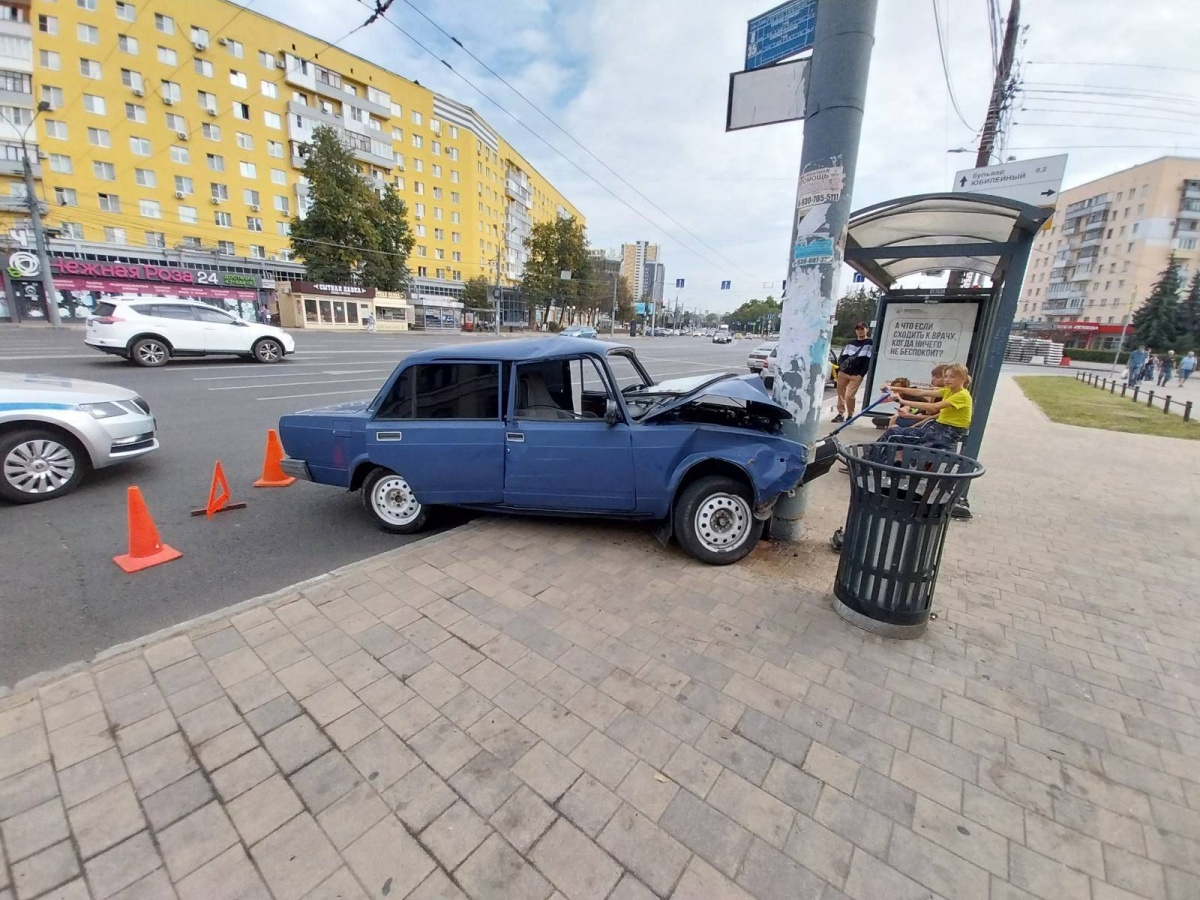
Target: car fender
[
  {"x": 88, "y": 434},
  {"x": 148, "y": 334},
  {"x": 768, "y": 469}
]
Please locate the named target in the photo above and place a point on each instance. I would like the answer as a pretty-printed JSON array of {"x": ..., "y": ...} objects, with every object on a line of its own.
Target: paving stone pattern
[{"x": 531, "y": 710}]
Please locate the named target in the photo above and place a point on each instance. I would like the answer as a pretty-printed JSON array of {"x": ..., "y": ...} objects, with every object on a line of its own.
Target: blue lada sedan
[{"x": 557, "y": 426}]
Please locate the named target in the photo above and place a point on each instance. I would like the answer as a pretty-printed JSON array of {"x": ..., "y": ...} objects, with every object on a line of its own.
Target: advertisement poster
[{"x": 917, "y": 336}]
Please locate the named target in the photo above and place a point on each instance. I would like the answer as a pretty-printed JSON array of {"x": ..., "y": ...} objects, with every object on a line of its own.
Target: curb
[{"x": 40, "y": 679}]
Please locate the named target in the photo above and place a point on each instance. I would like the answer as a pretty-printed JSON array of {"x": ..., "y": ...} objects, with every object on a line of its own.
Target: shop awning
[{"x": 972, "y": 232}]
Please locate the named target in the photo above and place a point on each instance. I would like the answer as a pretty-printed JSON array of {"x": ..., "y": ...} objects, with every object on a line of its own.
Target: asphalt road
[{"x": 62, "y": 598}]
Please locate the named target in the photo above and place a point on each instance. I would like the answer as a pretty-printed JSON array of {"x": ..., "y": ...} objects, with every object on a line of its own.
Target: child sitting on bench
[{"x": 950, "y": 403}]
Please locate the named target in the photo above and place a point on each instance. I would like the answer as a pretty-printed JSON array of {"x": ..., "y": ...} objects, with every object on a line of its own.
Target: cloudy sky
[{"x": 642, "y": 85}]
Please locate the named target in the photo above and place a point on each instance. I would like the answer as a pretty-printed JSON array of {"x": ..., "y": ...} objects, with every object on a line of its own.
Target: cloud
[{"x": 643, "y": 86}]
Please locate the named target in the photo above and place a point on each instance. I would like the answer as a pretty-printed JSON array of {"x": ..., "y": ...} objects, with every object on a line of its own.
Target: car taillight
[{"x": 108, "y": 320}]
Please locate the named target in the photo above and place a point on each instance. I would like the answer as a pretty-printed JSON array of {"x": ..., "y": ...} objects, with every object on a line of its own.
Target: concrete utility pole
[
  {"x": 612, "y": 322},
  {"x": 837, "y": 87},
  {"x": 39, "y": 232},
  {"x": 499, "y": 292}
]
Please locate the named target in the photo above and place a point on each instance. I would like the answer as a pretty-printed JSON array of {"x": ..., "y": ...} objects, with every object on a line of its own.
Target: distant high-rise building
[
  {"x": 1107, "y": 244},
  {"x": 633, "y": 265}
]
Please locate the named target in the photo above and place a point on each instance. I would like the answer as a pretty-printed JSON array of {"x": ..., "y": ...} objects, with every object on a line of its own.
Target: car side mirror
[{"x": 612, "y": 412}]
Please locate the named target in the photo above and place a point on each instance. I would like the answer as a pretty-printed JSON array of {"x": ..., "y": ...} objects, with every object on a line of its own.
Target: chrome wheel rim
[
  {"x": 268, "y": 351},
  {"x": 394, "y": 501},
  {"x": 722, "y": 522},
  {"x": 152, "y": 353},
  {"x": 39, "y": 467}
]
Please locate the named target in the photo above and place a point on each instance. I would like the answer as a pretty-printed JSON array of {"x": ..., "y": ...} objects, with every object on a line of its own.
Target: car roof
[
  {"x": 150, "y": 298},
  {"x": 520, "y": 349}
]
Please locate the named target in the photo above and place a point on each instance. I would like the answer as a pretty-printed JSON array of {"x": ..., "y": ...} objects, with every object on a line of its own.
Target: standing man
[
  {"x": 1137, "y": 362},
  {"x": 852, "y": 368},
  {"x": 1166, "y": 365},
  {"x": 1187, "y": 366}
]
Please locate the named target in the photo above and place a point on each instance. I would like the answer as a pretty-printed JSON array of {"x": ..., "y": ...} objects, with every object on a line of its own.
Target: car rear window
[
  {"x": 445, "y": 391},
  {"x": 104, "y": 309}
]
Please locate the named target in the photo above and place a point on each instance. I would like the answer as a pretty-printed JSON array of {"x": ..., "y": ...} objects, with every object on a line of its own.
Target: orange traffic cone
[
  {"x": 272, "y": 475},
  {"x": 145, "y": 548},
  {"x": 218, "y": 495}
]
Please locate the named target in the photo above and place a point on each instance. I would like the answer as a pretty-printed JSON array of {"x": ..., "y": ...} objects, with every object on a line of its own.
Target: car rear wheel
[
  {"x": 150, "y": 353},
  {"x": 714, "y": 520},
  {"x": 36, "y": 464},
  {"x": 268, "y": 350},
  {"x": 390, "y": 501}
]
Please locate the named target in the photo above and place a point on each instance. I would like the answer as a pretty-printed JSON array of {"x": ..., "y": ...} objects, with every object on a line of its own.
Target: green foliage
[
  {"x": 554, "y": 247},
  {"x": 475, "y": 294},
  {"x": 1072, "y": 402},
  {"x": 756, "y": 315},
  {"x": 1189, "y": 316},
  {"x": 348, "y": 229},
  {"x": 1156, "y": 323},
  {"x": 857, "y": 306}
]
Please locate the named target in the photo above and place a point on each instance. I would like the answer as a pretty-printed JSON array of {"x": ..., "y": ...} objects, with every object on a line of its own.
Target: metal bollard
[
  {"x": 1136, "y": 388},
  {"x": 1167, "y": 405},
  {"x": 1150, "y": 399},
  {"x": 1112, "y": 388},
  {"x": 1123, "y": 387},
  {"x": 1187, "y": 411}
]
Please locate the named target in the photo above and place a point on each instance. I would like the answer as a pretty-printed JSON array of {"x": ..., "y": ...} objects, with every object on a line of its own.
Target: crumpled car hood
[{"x": 720, "y": 389}]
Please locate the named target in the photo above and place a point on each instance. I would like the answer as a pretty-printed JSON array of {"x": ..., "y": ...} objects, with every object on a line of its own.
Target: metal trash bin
[{"x": 901, "y": 498}]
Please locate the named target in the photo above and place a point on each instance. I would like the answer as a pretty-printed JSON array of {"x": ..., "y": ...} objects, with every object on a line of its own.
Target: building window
[
  {"x": 184, "y": 185},
  {"x": 113, "y": 235},
  {"x": 258, "y": 251},
  {"x": 254, "y": 223},
  {"x": 220, "y": 191},
  {"x": 110, "y": 202},
  {"x": 223, "y": 219},
  {"x": 245, "y": 141},
  {"x": 156, "y": 239},
  {"x": 89, "y": 68},
  {"x": 135, "y": 113},
  {"x": 418, "y": 188},
  {"x": 234, "y": 47},
  {"x": 278, "y": 176},
  {"x": 169, "y": 90},
  {"x": 139, "y": 146},
  {"x": 283, "y": 228},
  {"x": 211, "y": 132},
  {"x": 48, "y": 24},
  {"x": 250, "y": 197},
  {"x": 99, "y": 137},
  {"x": 266, "y": 60},
  {"x": 151, "y": 209},
  {"x": 226, "y": 247},
  {"x": 216, "y": 163},
  {"x": 417, "y": 141},
  {"x": 207, "y": 101},
  {"x": 397, "y": 133},
  {"x": 269, "y": 89},
  {"x": 241, "y": 110},
  {"x": 248, "y": 169},
  {"x": 60, "y": 163},
  {"x": 203, "y": 67},
  {"x": 126, "y": 12},
  {"x": 145, "y": 177},
  {"x": 165, "y": 24},
  {"x": 275, "y": 149},
  {"x": 199, "y": 35},
  {"x": 176, "y": 123},
  {"x": 52, "y": 95},
  {"x": 132, "y": 79},
  {"x": 65, "y": 196},
  {"x": 282, "y": 205},
  {"x": 47, "y": 59},
  {"x": 56, "y": 129},
  {"x": 237, "y": 79},
  {"x": 180, "y": 155},
  {"x": 167, "y": 56},
  {"x": 189, "y": 215}
]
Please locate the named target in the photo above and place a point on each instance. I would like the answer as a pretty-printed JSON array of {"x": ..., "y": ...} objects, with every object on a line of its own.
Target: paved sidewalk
[{"x": 523, "y": 709}]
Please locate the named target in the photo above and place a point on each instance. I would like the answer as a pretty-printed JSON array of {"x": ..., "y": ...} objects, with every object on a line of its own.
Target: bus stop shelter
[{"x": 979, "y": 233}]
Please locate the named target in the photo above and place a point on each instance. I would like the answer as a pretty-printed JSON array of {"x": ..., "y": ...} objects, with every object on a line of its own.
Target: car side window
[
  {"x": 561, "y": 390},
  {"x": 212, "y": 315},
  {"x": 444, "y": 391},
  {"x": 166, "y": 311}
]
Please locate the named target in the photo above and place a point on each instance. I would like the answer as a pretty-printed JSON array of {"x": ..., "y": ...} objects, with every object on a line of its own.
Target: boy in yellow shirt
[{"x": 951, "y": 403}]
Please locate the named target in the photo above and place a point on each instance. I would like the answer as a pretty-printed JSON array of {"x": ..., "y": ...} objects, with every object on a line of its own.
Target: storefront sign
[
  {"x": 202, "y": 291},
  {"x": 155, "y": 274},
  {"x": 917, "y": 337},
  {"x": 333, "y": 290}
]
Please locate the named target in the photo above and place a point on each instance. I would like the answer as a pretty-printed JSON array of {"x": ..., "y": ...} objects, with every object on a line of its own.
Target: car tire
[
  {"x": 150, "y": 352},
  {"x": 714, "y": 520},
  {"x": 389, "y": 501},
  {"x": 39, "y": 464},
  {"x": 268, "y": 350}
]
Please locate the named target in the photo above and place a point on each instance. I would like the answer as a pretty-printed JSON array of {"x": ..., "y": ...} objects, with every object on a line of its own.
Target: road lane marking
[
  {"x": 322, "y": 394},
  {"x": 247, "y": 387},
  {"x": 293, "y": 374}
]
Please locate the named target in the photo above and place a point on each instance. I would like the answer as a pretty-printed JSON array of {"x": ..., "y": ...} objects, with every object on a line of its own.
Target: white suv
[{"x": 149, "y": 331}]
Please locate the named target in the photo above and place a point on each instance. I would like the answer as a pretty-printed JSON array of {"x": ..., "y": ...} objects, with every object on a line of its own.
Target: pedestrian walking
[
  {"x": 853, "y": 364},
  {"x": 264, "y": 315},
  {"x": 370, "y": 322},
  {"x": 1187, "y": 366},
  {"x": 1151, "y": 365},
  {"x": 1166, "y": 365},
  {"x": 1137, "y": 362}
]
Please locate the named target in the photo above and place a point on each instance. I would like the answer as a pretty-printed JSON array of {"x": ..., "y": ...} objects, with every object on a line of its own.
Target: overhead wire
[
  {"x": 568, "y": 159},
  {"x": 937, "y": 19}
]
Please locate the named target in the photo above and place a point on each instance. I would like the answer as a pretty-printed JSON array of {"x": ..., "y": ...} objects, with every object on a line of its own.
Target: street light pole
[
  {"x": 35, "y": 221},
  {"x": 612, "y": 320}
]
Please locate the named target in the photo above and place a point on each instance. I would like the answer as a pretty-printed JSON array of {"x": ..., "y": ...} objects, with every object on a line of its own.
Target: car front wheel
[
  {"x": 150, "y": 353},
  {"x": 37, "y": 464},
  {"x": 390, "y": 501},
  {"x": 714, "y": 520},
  {"x": 268, "y": 350}
]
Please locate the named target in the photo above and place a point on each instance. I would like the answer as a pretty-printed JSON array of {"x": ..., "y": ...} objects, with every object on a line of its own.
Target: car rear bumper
[
  {"x": 297, "y": 468},
  {"x": 106, "y": 346}
]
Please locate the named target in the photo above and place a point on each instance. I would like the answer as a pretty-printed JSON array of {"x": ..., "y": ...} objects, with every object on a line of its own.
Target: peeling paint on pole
[{"x": 833, "y": 123}]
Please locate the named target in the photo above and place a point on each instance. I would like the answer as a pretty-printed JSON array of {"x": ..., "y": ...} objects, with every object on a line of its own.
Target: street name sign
[
  {"x": 781, "y": 32},
  {"x": 1033, "y": 181}
]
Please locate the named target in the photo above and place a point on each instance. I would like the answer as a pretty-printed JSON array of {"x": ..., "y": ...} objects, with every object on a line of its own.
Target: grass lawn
[{"x": 1072, "y": 402}]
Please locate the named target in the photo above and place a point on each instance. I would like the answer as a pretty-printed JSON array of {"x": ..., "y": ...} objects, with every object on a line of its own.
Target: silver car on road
[{"x": 53, "y": 431}]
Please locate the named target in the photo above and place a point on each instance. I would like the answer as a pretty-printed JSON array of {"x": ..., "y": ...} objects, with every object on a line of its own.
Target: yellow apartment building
[
  {"x": 1109, "y": 241},
  {"x": 175, "y": 137}
]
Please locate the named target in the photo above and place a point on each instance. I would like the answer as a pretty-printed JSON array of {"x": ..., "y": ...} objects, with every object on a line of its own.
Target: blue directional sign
[
  {"x": 859, "y": 278},
  {"x": 784, "y": 31},
  {"x": 678, "y": 282},
  {"x": 725, "y": 285}
]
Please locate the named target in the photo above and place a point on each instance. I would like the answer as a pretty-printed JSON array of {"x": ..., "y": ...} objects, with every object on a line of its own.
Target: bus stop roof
[{"x": 972, "y": 232}]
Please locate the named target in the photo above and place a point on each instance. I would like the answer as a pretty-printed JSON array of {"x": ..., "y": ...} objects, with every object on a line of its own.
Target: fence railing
[{"x": 1134, "y": 393}]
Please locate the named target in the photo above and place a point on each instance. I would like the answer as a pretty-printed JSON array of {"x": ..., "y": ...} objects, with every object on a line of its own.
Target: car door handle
[
  {"x": 389, "y": 435},
  {"x": 342, "y": 432},
  {"x": 515, "y": 437}
]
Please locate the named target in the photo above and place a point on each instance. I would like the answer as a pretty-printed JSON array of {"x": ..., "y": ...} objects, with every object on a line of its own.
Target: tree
[
  {"x": 1156, "y": 323},
  {"x": 857, "y": 306},
  {"x": 348, "y": 230},
  {"x": 475, "y": 294},
  {"x": 554, "y": 247},
  {"x": 1189, "y": 316},
  {"x": 755, "y": 315}
]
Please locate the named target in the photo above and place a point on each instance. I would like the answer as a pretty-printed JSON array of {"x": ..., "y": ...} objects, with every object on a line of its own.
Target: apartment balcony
[
  {"x": 1071, "y": 291},
  {"x": 295, "y": 108},
  {"x": 1092, "y": 238},
  {"x": 1059, "y": 263},
  {"x": 1191, "y": 193},
  {"x": 1062, "y": 305},
  {"x": 14, "y": 167},
  {"x": 1188, "y": 213}
]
